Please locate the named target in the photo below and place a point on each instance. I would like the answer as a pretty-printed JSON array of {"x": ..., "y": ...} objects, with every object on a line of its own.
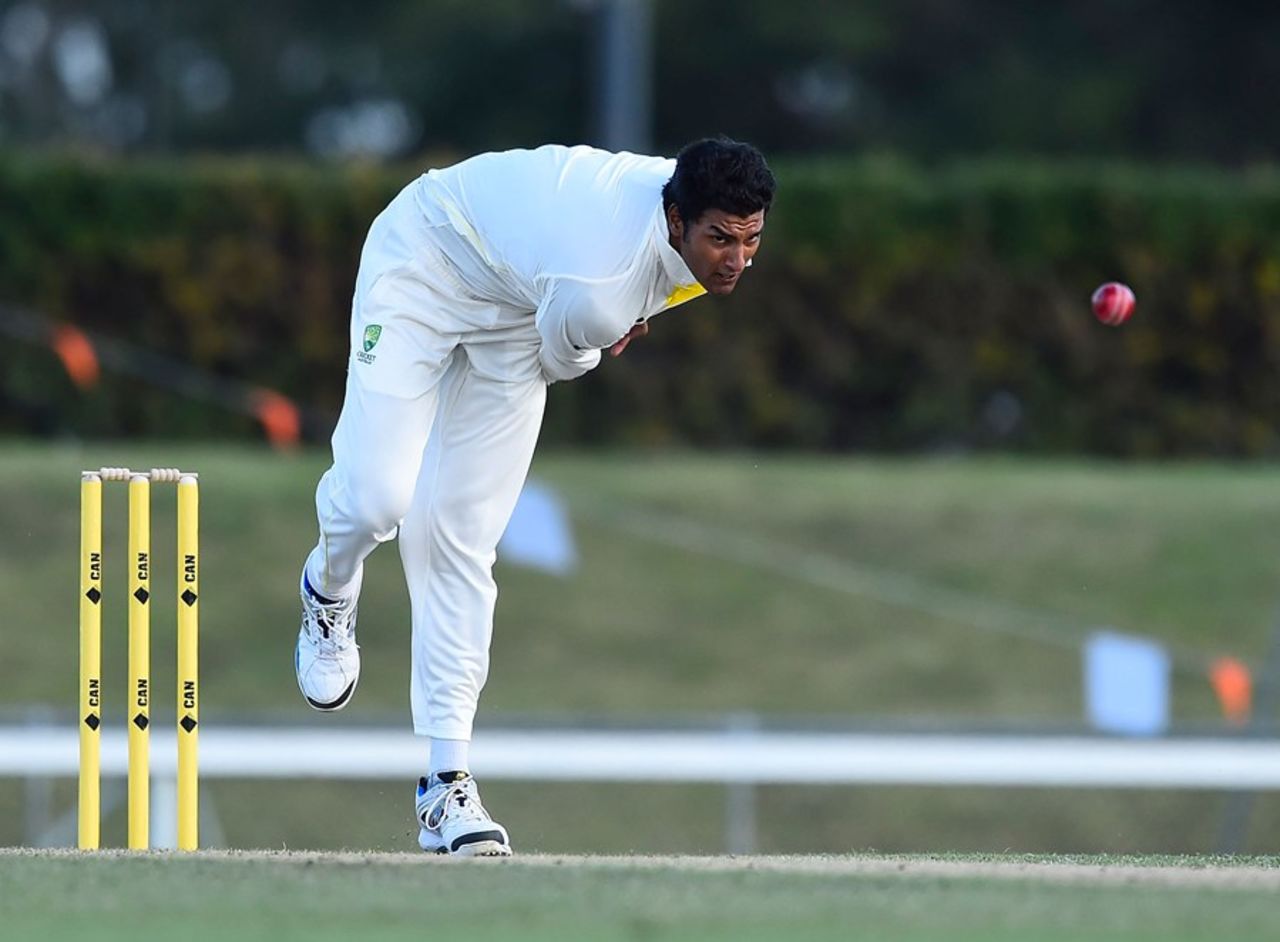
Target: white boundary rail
[{"x": 724, "y": 756}]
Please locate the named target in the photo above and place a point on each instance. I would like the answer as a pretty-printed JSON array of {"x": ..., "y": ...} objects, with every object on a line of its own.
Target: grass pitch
[{"x": 317, "y": 897}]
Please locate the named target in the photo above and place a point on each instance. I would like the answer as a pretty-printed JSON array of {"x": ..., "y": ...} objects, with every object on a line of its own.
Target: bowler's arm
[{"x": 575, "y": 326}]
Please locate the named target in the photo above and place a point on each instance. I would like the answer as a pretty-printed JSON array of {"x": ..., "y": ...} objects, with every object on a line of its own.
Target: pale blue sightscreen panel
[
  {"x": 539, "y": 534},
  {"x": 1126, "y": 684}
]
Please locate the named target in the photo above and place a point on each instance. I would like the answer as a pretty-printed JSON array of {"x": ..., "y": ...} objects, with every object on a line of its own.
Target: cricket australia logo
[{"x": 371, "y": 335}]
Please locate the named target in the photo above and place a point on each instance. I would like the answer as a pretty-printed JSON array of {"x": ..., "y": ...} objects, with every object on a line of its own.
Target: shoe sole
[
  {"x": 482, "y": 849},
  {"x": 332, "y": 705},
  {"x": 477, "y": 848},
  {"x": 323, "y": 707}
]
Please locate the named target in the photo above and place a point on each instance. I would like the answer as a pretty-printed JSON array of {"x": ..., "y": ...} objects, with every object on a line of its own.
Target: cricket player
[{"x": 480, "y": 285}]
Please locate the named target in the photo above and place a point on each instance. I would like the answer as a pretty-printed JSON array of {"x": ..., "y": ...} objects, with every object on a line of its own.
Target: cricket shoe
[
  {"x": 452, "y": 820},
  {"x": 327, "y": 658}
]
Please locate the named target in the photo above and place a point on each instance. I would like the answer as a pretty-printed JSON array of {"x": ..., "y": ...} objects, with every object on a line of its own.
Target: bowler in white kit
[{"x": 480, "y": 285}]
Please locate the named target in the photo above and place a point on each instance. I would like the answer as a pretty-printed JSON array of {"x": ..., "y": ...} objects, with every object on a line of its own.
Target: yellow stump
[
  {"x": 139, "y": 660},
  {"x": 188, "y": 662},
  {"x": 90, "y": 715}
]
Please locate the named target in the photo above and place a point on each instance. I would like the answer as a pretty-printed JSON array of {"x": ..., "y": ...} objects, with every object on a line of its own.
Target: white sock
[{"x": 449, "y": 755}]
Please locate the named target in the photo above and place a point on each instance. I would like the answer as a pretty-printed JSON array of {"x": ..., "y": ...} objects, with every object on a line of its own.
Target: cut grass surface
[{"x": 318, "y": 898}]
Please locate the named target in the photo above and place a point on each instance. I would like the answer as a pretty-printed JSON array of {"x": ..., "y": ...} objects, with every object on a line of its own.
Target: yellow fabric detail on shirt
[{"x": 684, "y": 293}]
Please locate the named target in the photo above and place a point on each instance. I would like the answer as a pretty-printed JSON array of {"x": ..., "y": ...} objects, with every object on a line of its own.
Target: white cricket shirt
[{"x": 574, "y": 235}]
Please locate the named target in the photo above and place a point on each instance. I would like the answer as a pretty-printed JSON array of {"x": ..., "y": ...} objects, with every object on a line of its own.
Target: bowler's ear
[{"x": 675, "y": 225}]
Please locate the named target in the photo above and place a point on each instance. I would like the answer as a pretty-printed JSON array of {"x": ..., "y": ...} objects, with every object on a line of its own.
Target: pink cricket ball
[{"x": 1113, "y": 303}]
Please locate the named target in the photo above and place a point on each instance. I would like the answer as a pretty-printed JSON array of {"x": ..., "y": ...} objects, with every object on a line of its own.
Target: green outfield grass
[
  {"x": 708, "y": 584},
  {"x": 318, "y": 898},
  {"x": 1186, "y": 554}
]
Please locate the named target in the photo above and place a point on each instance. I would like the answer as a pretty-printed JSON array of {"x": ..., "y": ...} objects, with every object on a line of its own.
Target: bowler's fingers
[{"x": 638, "y": 330}]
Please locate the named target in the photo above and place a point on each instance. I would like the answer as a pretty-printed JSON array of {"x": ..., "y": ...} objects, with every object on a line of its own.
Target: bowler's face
[{"x": 717, "y": 246}]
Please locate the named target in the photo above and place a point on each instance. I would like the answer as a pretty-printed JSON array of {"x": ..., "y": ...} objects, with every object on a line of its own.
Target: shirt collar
[{"x": 673, "y": 265}]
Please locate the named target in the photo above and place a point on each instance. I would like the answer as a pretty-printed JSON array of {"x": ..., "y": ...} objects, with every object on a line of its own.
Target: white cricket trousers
[{"x": 443, "y": 470}]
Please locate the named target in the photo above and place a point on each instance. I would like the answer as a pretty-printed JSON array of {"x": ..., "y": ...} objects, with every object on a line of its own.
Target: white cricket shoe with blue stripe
[
  {"x": 327, "y": 658},
  {"x": 452, "y": 820}
]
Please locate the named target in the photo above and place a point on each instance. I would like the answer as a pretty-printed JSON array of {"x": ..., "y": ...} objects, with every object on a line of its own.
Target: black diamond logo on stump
[
  {"x": 93, "y": 595},
  {"x": 92, "y": 721},
  {"x": 141, "y": 721},
  {"x": 189, "y": 597},
  {"x": 142, "y": 595},
  {"x": 188, "y": 723}
]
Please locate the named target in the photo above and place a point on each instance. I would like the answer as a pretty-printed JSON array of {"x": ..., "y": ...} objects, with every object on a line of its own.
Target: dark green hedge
[{"x": 891, "y": 307}]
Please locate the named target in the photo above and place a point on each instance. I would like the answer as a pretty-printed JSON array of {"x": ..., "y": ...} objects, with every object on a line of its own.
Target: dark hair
[{"x": 719, "y": 173}]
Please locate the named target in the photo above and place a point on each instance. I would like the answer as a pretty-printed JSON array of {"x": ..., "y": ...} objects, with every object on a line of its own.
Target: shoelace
[
  {"x": 329, "y": 624},
  {"x": 461, "y": 796}
]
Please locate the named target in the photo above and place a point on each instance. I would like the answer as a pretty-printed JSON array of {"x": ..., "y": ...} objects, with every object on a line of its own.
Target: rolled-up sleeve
[{"x": 575, "y": 326}]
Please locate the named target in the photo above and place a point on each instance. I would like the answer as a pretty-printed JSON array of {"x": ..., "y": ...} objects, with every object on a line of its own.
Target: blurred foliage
[
  {"x": 891, "y": 307},
  {"x": 932, "y": 78}
]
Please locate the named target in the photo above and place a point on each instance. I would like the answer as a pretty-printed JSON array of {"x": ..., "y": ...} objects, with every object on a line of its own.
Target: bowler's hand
[{"x": 638, "y": 330}]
